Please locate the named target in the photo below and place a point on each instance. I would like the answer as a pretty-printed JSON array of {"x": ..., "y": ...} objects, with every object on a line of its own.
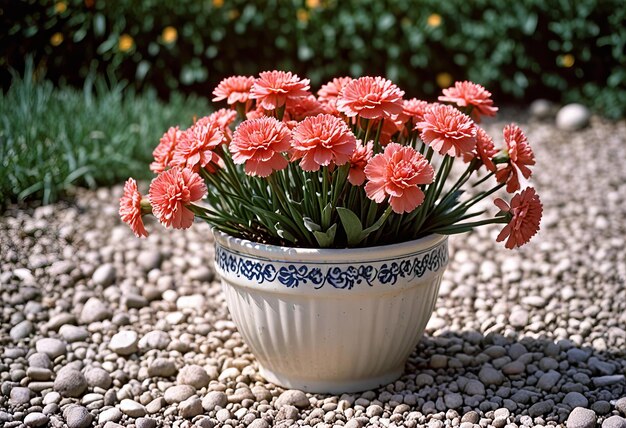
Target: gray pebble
[
  {"x": 223, "y": 415},
  {"x": 601, "y": 407},
  {"x": 193, "y": 375},
  {"x": 614, "y": 422},
  {"x": 104, "y": 275},
  {"x": 132, "y": 408},
  {"x": 540, "y": 408},
  {"x": 162, "y": 367},
  {"x": 21, "y": 331},
  {"x": 72, "y": 333},
  {"x": 581, "y": 418},
  {"x": 548, "y": 380},
  {"x": 572, "y": 117},
  {"x": 77, "y": 417},
  {"x": 262, "y": 423},
  {"x": 214, "y": 399},
  {"x": 98, "y": 377},
  {"x": 292, "y": 397},
  {"x": 287, "y": 412},
  {"x": 70, "y": 382},
  {"x": 51, "y": 347},
  {"x": 39, "y": 359},
  {"x": 156, "y": 339},
  {"x": 36, "y": 419},
  {"x": 113, "y": 414},
  {"x": 490, "y": 376},
  {"x": 178, "y": 393},
  {"x": 453, "y": 401},
  {"x": 575, "y": 399},
  {"x": 190, "y": 408}
]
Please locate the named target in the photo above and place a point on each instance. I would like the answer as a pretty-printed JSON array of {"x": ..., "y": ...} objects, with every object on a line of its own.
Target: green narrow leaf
[
  {"x": 351, "y": 224},
  {"x": 310, "y": 225},
  {"x": 283, "y": 233},
  {"x": 326, "y": 215},
  {"x": 326, "y": 239},
  {"x": 378, "y": 224}
]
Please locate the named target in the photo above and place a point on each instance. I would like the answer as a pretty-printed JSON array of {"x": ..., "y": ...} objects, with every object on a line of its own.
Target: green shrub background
[
  {"x": 54, "y": 139},
  {"x": 561, "y": 49}
]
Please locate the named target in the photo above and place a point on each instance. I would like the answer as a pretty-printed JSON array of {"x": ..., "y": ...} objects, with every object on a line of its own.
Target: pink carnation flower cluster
[{"x": 384, "y": 145}]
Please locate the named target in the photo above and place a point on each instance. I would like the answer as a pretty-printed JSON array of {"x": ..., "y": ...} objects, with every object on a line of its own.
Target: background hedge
[{"x": 561, "y": 49}]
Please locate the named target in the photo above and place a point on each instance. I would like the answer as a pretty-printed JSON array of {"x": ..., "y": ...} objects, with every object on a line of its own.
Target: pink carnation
[
  {"x": 525, "y": 215},
  {"x": 521, "y": 156},
  {"x": 170, "y": 194},
  {"x": 320, "y": 140},
  {"x": 415, "y": 109},
  {"x": 447, "y": 130},
  {"x": 469, "y": 94},
  {"x": 484, "y": 150},
  {"x": 197, "y": 146},
  {"x": 222, "y": 118},
  {"x": 259, "y": 143},
  {"x": 274, "y": 88},
  {"x": 370, "y": 98},
  {"x": 329, "y": 93},
  {"x": 304, "y": 107},
  {"x": 164, "y": 152},
  {"x": 130, "y": 208},
  {"x": 358, "y": 161},
  {"x": 398, "y": 172},
  {"x": 234, "y": 89}
]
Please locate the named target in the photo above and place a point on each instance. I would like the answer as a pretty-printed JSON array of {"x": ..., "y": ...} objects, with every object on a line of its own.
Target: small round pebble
[
  {"x": 178, "y": 393},
  {"x": 36, "y": 419},
  {"x": 77, "y": 417},
  {"x": 581, "y": 418},
  {"x": 70, "y": 382},
  {"x": 193, "y": 375},
  {"x": 51, "y": 347},
  {"x": 292, "y": 397}
]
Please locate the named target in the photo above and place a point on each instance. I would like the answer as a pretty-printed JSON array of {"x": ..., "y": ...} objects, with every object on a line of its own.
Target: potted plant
[{"x": 331, "y": 214}]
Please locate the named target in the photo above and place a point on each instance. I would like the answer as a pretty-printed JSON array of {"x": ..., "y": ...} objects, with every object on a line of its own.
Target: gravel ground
[{"x": 101, "y": 329}]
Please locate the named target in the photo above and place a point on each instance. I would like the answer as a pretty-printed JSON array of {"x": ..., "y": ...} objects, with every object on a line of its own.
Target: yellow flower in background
[
  {"x": 312, "y": 4},
  {"x": 218, "y": 3},
  {"x": 169, "y": 34},
  {"x": 444, "y": 80},
  {"x": 56, "y": 39},
  {"x": 233, "y": 14},
  {"x": 60, "y": 7},
  {"x": 303, "y": 15},
  {"x": 434, "y": 20},
  {"x": 567, "y": 60},
  {"x": 126, "y": 43}
]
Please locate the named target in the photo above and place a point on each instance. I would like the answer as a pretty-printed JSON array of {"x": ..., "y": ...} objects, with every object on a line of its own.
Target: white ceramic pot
[{"x": 331, "y": 320}]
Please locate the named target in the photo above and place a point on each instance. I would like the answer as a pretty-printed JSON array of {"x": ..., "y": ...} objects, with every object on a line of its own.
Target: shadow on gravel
[{"x": 535, "y": 377}]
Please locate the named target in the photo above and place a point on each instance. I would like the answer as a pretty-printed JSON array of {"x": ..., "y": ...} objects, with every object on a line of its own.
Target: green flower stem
[
  {"x": 466, "y": 227},
  {"x": 485, "y": 178},
  {"x": 289, "y": 209},
  {"x": 482, "y": 195},
  {"x": 367, "y": 132},
  {"x": 232, "y": 171},
  {"x": 431, "y": 191},
  {"x": 441, "y": 206},
  {"x": 446, "y": 166},
  {"x": 377, "y": 146},
  {"x": 280, "y": 112},
  {"x": 382, "y": 219}
]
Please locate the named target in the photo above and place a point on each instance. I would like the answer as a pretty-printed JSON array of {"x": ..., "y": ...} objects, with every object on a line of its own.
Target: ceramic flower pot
[{"x": 331, "y": 320}]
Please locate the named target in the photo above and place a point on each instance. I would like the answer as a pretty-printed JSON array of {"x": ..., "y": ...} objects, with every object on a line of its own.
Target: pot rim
[{"x": 338, "y": 255}]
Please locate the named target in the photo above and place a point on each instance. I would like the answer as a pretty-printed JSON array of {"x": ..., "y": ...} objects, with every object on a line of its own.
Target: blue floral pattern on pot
[{"x": 337, "y": 275}]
